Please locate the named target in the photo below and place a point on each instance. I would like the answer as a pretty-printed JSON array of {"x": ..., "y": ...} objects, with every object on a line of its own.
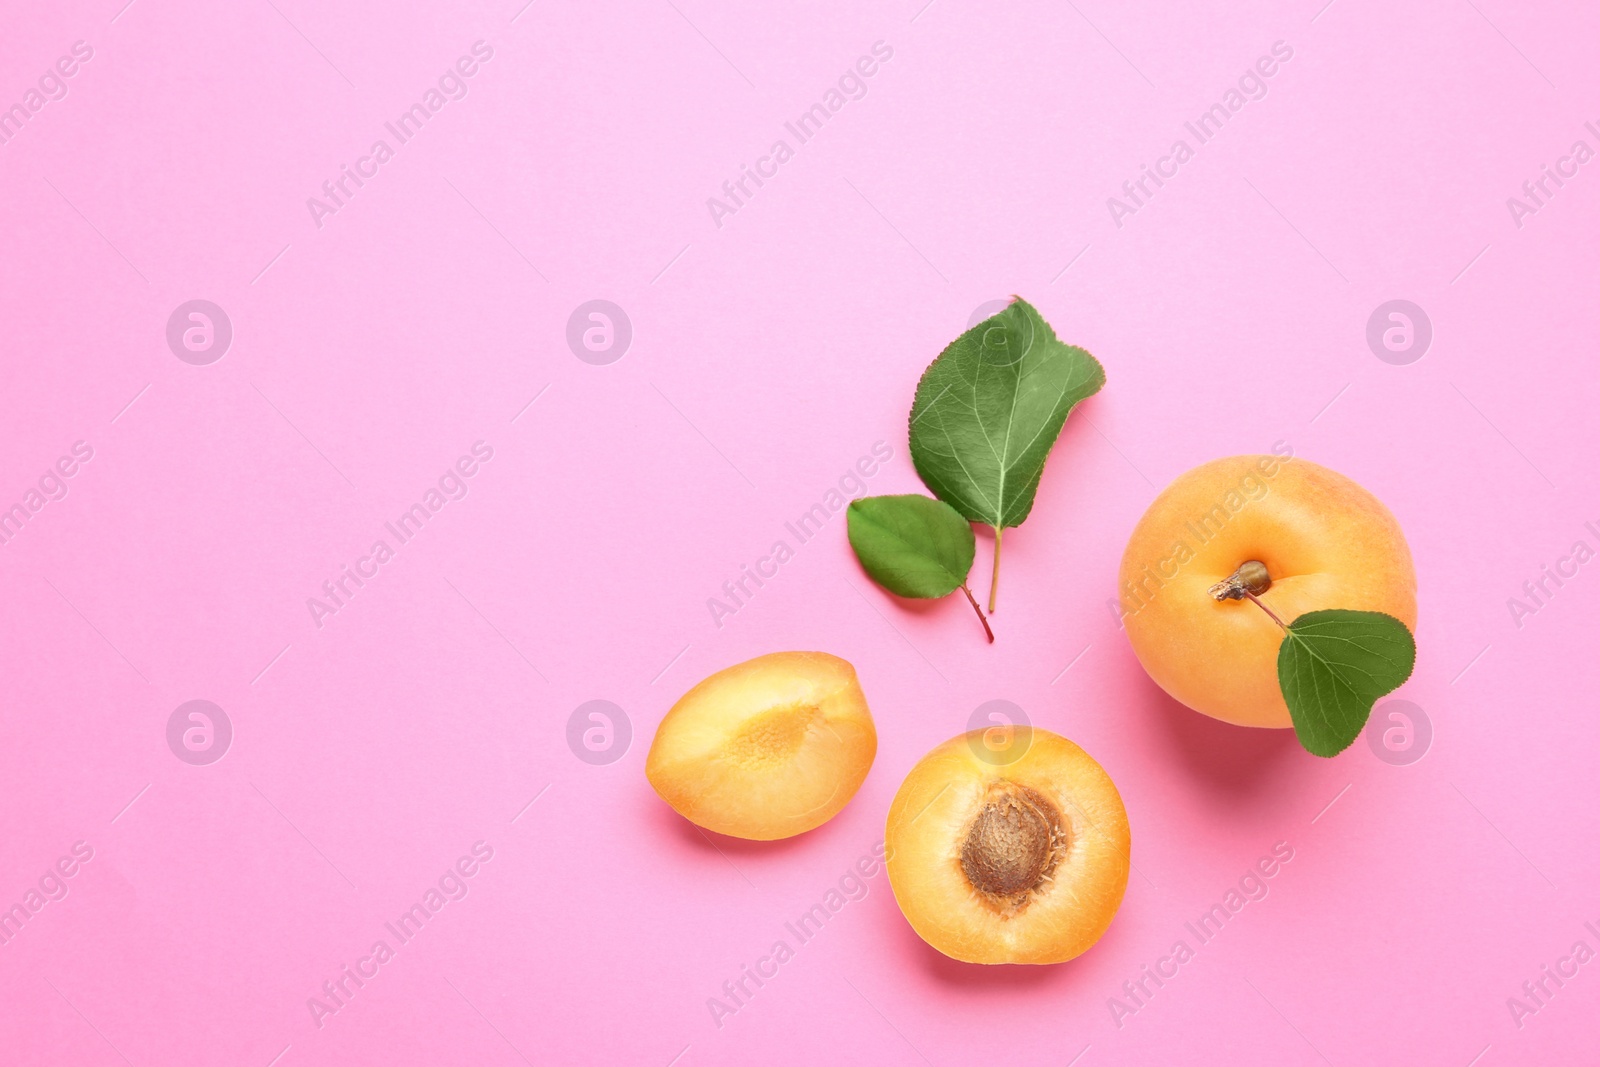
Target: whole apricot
[
  {"x": 1295, "y": 536},
  {"x": 1008, "y": 847},
  {"x": 768, "y": 748}
]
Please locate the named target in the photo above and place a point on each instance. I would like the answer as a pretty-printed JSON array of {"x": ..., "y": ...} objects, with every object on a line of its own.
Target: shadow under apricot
[
  {"x": 1233, "y": 763},
  {"x": 982, "y": 978},
  {"x": 738, "y": 850}
]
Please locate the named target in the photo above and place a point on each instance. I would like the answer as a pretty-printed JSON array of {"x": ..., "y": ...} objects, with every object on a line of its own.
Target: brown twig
[{"x": 971, "y": 600}]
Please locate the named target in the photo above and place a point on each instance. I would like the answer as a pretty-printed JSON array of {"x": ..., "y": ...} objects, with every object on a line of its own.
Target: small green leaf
[
  {"x": 1333, "y": 666},
  {"x": 911, "y": 545},
  {"x": 989, "y": 409}
]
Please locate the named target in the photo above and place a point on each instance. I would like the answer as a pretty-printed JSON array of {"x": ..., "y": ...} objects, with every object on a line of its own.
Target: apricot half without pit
[
  {"x": 765, "y": 749},
  {"x": 1008, "y": 847}
]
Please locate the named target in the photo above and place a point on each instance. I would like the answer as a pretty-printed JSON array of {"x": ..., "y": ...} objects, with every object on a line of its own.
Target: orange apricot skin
[
  {"x": 927, "y": 824},
  {"x": 766, "y": 749},
  {"x": 1326, "y": 541}
]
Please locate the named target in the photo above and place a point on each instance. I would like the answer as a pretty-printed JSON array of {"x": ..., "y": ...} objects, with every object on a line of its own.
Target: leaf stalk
[
  {"x": 974, "y": 602},
  {"x": 1271, "y": 614},
  {"x": 994, "y": 577}
]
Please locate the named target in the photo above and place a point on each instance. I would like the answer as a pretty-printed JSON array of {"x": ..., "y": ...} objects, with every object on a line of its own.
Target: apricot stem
[
  {"x": 973, "y": 601},
  {"x": 1250, "y": 577},
  {"x": 994, "y": 578},
  {"x": 1269, "y": 611}
]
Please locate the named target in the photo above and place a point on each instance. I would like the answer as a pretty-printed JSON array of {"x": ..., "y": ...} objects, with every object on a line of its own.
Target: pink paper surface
[{"x": 380, "y": 338}]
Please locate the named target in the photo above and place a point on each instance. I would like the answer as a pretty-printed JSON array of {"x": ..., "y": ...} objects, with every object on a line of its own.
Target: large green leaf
[
  {"x": 913, "y": 546},
  {"x": 989, "y": 409},
  {"x": 1333, "y": 666}
]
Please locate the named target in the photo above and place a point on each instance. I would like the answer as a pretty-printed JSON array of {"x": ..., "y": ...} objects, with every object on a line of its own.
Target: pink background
[{"x": 768, "y": 355}]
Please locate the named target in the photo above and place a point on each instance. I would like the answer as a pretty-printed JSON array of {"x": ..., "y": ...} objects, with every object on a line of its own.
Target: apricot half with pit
[
  {"x": 1298, "y": 537},
  {"x": 765, "y": 749},
  {"x": 1008, "y": 847}
]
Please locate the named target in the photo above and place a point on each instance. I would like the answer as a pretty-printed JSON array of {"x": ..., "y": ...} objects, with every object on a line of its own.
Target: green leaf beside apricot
[
  {"x": 913, "y": 546},
  {"x": 989, "y": 409},
  {"x": 1333, "y": 666}
]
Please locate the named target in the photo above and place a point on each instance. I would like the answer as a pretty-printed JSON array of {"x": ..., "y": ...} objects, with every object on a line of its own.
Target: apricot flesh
[
  {"x": 767, "y": 748},
  {"x": 1325, "y": 542},
  {"x": 1008, "y": 851}
]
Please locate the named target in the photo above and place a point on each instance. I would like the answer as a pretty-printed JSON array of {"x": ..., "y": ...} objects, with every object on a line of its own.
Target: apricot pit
[
  {"x": 1011, "y": 846},
  {"x": 1013, "y": 851}
]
